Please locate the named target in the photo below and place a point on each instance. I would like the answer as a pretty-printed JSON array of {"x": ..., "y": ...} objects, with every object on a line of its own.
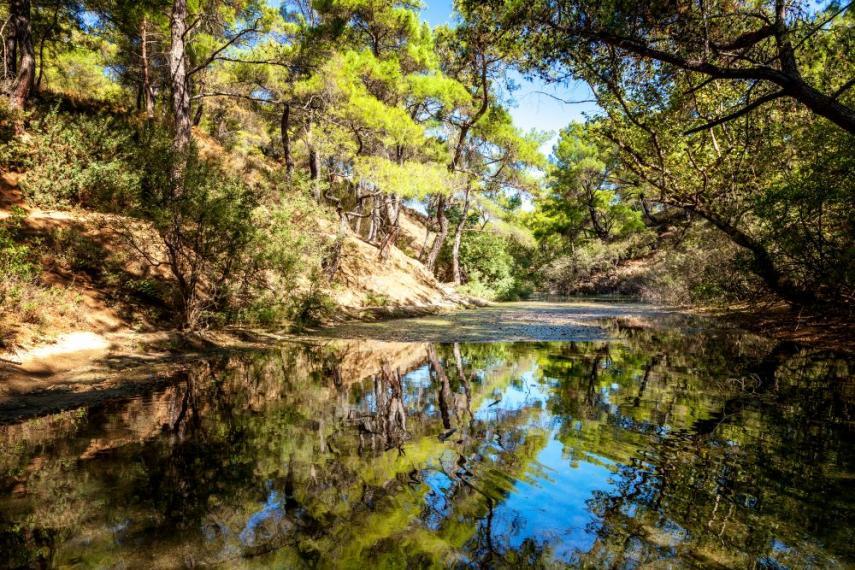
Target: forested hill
[{"x": 196, "y": 163}]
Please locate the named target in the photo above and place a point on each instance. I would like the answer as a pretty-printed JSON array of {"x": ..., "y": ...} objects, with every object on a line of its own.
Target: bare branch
[
  {"x": 223, "y": 47},
  {"x": 236, "y": 96},
  {"x": 843, "y": 88},
  {"x": 747, "y": 39},
  {"x": 565, "y": 101},
  {"x": 747, "y": 109}
]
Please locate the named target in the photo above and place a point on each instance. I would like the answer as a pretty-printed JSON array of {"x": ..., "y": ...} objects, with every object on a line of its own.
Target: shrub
[
  {"x": 204, "y": 220},
  {"x": 15, "y": 257},
  {"x": 286, "y": 256},
  {"x": 233, "y": 254},
  {"x": 310, "y": 308},
  {"x": 706, "y": 268},
  {"x": 77, "y": 159},
  {"x": 22, "y": 298},
  {"x": 495, "y": 267},
  {"x": 584, "y": 268}
]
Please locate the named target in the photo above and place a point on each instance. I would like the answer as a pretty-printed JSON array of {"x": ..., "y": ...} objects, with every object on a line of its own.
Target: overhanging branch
[{"x": 735, "y": 115}]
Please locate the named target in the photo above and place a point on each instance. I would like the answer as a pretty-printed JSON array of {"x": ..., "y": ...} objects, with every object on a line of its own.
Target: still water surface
[{"x": 661, "y": 447}]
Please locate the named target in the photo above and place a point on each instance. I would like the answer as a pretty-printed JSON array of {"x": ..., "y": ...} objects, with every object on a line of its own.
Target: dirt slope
[{"x": 73, "y": 311}]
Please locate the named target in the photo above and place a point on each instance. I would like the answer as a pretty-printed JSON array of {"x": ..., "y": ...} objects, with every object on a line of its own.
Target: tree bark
[
  {"x": 393, "y": 212},
  {"x": 26, "y": 71},
  {"x": 458, "y": 237},
  {"x": 179, "y": 77},
  {"x": 442, "y": 220},
  {"x": 37, "y": 84},
  {"x": 452, "y": 167},
  {"x": 314, "y": 162},
  {"x": 334, "y": 260},
  {"x": 148, "y": 90},
  {"x": 599, "y": 230},
  {"x": 284, "y": 127},
  {"x": 10, "y": 52}
]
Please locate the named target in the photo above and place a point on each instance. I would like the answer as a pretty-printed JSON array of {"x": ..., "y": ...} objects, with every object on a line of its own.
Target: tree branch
[
  {"x": 208, "y": 60},
  {"x": 235, "y": 95},
  {"x": 747, "y": 109},
  {"x": 747, "y": 39},
  {"x": 843, "y": 88}
]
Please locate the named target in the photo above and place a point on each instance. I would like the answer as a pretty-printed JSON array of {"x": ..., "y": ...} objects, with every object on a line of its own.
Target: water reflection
[{"x": 700, "y": 449}]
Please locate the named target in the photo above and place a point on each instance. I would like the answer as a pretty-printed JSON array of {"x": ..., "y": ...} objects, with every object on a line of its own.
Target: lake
[{"x": 638, "y": 442}]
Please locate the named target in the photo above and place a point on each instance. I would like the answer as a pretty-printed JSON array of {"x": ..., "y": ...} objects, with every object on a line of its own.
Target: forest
[
  {"x": 491, "y": 284},
  {"x": 238, "y": 150}
]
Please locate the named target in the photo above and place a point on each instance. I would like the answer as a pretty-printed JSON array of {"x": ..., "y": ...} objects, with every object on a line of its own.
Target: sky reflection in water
[{"x": 693, "y": 449}]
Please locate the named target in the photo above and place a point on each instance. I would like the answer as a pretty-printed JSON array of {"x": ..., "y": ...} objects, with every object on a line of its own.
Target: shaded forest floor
[{"x": 829, "y": 329}]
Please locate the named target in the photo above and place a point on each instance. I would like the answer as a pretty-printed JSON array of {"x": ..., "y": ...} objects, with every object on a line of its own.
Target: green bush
[
  {"x": 236, "y": 251},
  {"x": 494, "y": 267},
  {"x": 204, "y": 220},
  {"x": 15, "y": 257},
  {"x": 576, "y": 271},
  {"x": 77, "y": 159},
  {"x": 286, "y": 255},
  {"x": 310, "y": 308}
]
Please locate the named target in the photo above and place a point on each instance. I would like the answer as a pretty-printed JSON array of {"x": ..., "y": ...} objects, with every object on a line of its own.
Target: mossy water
[{"x": 643, "y": 445}]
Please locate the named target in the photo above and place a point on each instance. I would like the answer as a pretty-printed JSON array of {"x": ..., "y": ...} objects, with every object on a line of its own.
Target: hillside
[{"x": 93, "y": 286}]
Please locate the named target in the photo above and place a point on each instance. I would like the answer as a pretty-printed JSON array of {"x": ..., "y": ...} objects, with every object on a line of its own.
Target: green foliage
[
  {"x": 377, "y": 300},
  {"x": 585, "y": 267},
  {"x": 77, "y": 159},
  {"x": 492, "y": 270},
  {"x": 288, "y": 255},
  {"x": 807, "y": 213},
  {"x": 310, "y": 308},
  {"x": 408, "y": 180},
  {"x": 23, "y": 298},
  {"x": 204, "y": 219},
  {"x": 81, "y": 71},
  {"x": 16, "y": 262}
]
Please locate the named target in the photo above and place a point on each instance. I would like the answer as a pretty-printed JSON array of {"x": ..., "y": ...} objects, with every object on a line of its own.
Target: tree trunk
[
  {"x": 393, "y": 212},
  {"x": 314, "y": 162},
  {"x": 455, "y": 164},
  {"x": 148, "y": 90},
  {"x": 37, "y": 84},
  {"x": 334, "y": 259},
  {"x": 599, "y": 230},
  {"x": 376, "y": 207},
  {"x": 440, "y": 235},
  {"x": 10, "y": 52},
  {"x": 458, "y": 237},
  {"x": 178, "y": 76},
  {"x": 46, "y": 33},
  {"x": 197, "y": 116},
  {"x": 763, "y": 265},
  {"x": 26, "y": 72},
  {"x": 788, "y": 78},
  {"x": 285, "y": 126}
]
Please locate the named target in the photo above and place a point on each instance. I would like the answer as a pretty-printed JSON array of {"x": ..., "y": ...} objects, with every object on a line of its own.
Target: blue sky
[{"x": 536, "y": 106}]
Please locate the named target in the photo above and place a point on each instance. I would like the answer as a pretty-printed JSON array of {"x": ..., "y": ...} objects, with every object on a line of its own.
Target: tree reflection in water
[{"x": 707, "y": 449}]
